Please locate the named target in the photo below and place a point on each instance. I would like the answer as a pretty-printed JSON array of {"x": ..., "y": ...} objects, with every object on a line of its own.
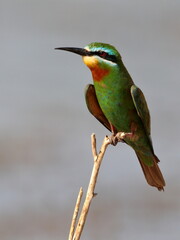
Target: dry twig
[
  {"x": 75, "y": 234},
  {"x": 75, "y": 214}
]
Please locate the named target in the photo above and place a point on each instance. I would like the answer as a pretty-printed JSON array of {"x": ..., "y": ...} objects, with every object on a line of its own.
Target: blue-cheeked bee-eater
[{"x": 119, "y": 104}]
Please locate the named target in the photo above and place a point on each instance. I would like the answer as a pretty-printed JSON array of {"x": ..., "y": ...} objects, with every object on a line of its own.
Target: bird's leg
[
  {"x": 120, "y": 136},
  {"x": 113, "y": 139}
]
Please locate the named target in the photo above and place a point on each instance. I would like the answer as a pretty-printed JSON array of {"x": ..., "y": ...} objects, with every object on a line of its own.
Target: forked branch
[{"x": 75, "y": 231}]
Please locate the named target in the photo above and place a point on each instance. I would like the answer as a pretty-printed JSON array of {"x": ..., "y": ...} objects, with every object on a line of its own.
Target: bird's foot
[
  {"x": 119, "y": 137},
  {"x": 113, "y": 139}
]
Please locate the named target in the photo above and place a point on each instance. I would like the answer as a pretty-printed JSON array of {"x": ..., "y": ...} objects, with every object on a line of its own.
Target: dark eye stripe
[
  {"x": 111, "y": 58},
  {"x": 106, "y": 56}
]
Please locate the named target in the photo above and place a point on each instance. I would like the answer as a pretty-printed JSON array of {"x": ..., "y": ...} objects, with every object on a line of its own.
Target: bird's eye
[{"x": 103, "y": 54}]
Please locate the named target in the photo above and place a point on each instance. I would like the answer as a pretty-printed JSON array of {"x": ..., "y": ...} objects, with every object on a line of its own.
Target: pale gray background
[{"x": 45, "y": 152}]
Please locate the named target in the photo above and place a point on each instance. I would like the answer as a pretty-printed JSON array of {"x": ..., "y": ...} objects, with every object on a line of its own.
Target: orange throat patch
[{"x": 97, "y": 72}]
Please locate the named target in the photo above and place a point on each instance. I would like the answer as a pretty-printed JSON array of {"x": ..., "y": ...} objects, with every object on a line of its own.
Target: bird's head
[
  {"x": 101, "y": 55},
  {"x": 101, "y": 58}
]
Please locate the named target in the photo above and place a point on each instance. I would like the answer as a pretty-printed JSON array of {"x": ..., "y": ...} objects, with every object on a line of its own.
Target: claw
[
  {"x": 113, "y": 140},
  {"x": 122, "y": 135},
  {"x": 119, "y": 137}
]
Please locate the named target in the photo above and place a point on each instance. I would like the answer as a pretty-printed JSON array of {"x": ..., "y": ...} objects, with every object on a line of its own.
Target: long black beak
[{"x": 79, "y": 51}]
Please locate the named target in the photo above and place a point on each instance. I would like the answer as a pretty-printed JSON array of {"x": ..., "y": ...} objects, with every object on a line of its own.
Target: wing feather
[
  {"x": 94, "y": 107},
  {"x": 141, "y": 107}
]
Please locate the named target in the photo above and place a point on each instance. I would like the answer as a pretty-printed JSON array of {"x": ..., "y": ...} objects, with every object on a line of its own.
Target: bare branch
[
  {"x": 75, "y": 234},
  {"x": 75, "y": 214},
  {"x": 90, "y": 192}
]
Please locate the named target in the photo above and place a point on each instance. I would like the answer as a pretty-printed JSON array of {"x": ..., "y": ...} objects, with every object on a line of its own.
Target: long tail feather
[{"x": 152, "y": 174}]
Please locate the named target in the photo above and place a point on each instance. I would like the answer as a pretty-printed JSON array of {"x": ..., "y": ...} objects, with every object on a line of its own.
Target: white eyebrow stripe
[
  {"x": 87, "y": 48},
  {"x": 108, "y": 61}
]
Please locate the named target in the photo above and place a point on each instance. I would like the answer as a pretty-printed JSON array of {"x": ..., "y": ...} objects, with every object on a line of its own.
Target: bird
[{"x": 117, "y": 103}]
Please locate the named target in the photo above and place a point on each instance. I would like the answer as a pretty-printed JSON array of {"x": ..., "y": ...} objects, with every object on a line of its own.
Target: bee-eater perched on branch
[{"x": 119, "y": 104}]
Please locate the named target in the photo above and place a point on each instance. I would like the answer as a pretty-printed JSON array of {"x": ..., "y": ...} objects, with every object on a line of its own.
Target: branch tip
[{"x": 93, "y": 145}]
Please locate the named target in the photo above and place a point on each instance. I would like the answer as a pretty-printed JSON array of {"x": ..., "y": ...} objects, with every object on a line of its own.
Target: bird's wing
[
  {"x": 93, "y": 106},
  {"x": 141, "y": 107}
]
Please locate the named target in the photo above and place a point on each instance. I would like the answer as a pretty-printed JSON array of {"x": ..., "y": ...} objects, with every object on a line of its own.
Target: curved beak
[{"x": 79, "y": 51}]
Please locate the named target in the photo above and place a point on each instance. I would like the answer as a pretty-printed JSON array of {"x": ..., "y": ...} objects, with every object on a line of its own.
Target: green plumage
[
  {"x": 119, "y": 105},
  {"x": 125, "y": 108}
]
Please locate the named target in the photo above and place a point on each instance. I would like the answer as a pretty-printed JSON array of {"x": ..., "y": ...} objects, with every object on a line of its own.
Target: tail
[{"x": 152, "y": 173}]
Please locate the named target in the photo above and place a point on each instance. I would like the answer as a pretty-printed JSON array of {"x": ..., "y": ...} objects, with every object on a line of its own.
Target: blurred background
[{"x": 45, "y": 127}]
